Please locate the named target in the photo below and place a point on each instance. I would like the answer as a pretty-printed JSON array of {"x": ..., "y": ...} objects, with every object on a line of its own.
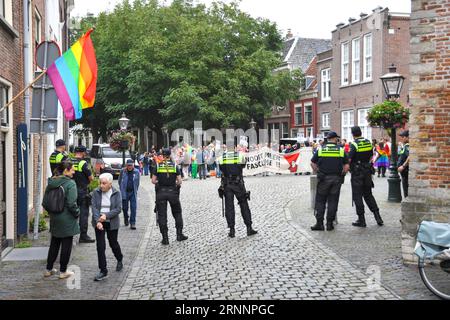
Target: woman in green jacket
[{"x": 64, "y": 225}]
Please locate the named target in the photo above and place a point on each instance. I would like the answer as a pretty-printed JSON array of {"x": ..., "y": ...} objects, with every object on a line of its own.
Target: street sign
[
  {"x": 22, "y": 173},
  {"x": 50, "y": 108},
  {"x": 53, "y": 53}
]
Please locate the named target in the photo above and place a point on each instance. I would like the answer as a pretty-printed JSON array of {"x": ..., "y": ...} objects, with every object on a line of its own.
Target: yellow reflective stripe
[
  {"x": 164, "y": 169},
  {"x": 363, "y": 146},
  {"x": 59, "y": 157}
]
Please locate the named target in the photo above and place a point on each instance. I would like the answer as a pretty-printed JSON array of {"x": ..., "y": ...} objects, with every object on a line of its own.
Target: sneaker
[
  {"x": 49, "y": 273},
  {"x": 101, "y": 276},
  {"x": 119, "y": 266},
  {"x": 232, "y": 233},
  {"x": 251, "y": 232},
  {"x": 133, "y": 227},
  {"x": 65, "y": 275},
  {"x": 86, "y": 239},
  {"x": 127, "y": 223}
]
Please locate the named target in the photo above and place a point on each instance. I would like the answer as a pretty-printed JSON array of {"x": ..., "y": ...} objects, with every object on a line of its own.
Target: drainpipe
[{"x": 26, "y": 61}]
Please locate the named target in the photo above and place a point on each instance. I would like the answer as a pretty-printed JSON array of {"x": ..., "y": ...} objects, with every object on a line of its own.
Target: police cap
[
  {"x": 60, "y": 143},
  {"x": 166, "y": 152},
  {"x": 332, "y": 135},
  {"x": 80, "y": 149}
]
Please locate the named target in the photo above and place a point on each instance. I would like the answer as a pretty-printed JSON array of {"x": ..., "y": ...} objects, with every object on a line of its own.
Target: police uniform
[
  {"x": 56, "y": 158},
  {"x": 361, "y": 152},
  {"x": 330, "y": 159},
  {"x": 168, "y": 191},
  {"x": 81, "y": 177},
  {"x": 231, "y": 165},
  {"x": 402, "y": 156}
]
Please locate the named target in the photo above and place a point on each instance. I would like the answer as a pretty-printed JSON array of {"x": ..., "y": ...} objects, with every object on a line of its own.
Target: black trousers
[
  {"x": 405, "y": 182},
  {"x": 66, "y": 250},
  {"x": 84, "y": 213},
  {"x": 237, "y": 190},
  {"x": 328, "y": 192},
  {"x": 362, "y": 185},
  {"x": 101, "y": 245},
  {"x": 166, "y": 195}
]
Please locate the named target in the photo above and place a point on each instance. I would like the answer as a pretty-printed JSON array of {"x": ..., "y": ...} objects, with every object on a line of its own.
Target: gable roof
[{"x": 299, "y": 52}]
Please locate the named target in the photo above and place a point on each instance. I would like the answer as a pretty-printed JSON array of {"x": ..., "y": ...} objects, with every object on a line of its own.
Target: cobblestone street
[{"x": 283, "y": 261}]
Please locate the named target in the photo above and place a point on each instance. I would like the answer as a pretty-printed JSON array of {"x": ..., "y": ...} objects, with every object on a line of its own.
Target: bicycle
[{"x": 433, "y": 251}]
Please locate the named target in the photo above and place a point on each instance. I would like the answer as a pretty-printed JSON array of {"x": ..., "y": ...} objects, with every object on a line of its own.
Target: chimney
[
  {"x": 340, "y": 25},
  {"x": 351, "y": 20},
  {"x": 289, "y": 34},
  {"x": 363, "y": 15}
]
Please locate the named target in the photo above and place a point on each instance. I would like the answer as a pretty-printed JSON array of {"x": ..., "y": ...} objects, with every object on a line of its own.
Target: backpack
[{"x": 54, "y": 200}]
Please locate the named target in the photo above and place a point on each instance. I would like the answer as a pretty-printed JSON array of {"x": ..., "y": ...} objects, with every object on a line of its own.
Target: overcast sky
[{"x": 308, "y": 19}]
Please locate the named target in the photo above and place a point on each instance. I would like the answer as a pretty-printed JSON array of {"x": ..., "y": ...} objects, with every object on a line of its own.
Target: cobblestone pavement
[
  {"x": 280, "y": 262},
  {"x": 24, "y": 280},
  {"x": 373, "y": 248}
]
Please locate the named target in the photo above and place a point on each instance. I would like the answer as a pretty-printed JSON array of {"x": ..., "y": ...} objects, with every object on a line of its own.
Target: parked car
[{"x": 104, "y": 159}]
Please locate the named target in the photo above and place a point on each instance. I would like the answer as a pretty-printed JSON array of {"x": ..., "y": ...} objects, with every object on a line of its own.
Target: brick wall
[{"x": 429, "y": 192}]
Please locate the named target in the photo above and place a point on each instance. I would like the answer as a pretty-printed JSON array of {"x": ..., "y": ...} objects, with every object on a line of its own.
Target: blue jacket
[{"x": 123, "y": 181}]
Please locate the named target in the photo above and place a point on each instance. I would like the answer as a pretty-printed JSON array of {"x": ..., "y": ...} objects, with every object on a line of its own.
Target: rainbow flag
[{"x": 74, "y": 77}]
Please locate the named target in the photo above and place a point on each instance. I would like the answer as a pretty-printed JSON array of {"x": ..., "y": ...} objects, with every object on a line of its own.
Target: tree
[{"x": 184, "y": 62}]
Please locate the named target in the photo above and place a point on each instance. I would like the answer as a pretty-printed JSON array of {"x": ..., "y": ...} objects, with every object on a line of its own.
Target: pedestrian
[
  {"x": 129, "y": 185},
  {"x": 146, "y": 163},
  {"x": 201, "y": 163},
  {"x": 106, "y": 207},
  {"x": 403, "y": 162},
  {"x": 382, "y": 159},
  {"x": 59, "y": 155},
  {"x": 167, "y": 179},
  {"x": 83, "y": 177},
  {"x": 232, "y": 185},
  {"x": 64, "y": 225},
  {"x": 361, "y": 152},
  {"x": 331, "y": 164},
  {"x": 194, "y": 164}
]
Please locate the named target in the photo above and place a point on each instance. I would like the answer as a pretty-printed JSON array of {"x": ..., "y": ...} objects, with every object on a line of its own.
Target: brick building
[
  {"x": 17, "y": 46},
  {"x": 429, "y": 177},
  {"x": 298, "y": 53},
  {"x": 349, "y": 75}
]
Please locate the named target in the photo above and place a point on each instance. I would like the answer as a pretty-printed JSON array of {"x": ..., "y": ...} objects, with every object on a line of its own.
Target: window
[
  {"x": 348, "y": 121},
  {"x": 308, "y": 114},
  {"x": 4, "y": 98},
  {"x": 2, "y": 8},
  {"x": 298, "y": 115},
  {"x": 368, "y": 57},
  {"x": 37, "y": 27},
  {"x": 309, "y": 132},
  {"x": 325, "y": 120},
  {"x": 308, "y": 81},
  {"x": 6, "y": 10},
  {"x": 284, "y": 130},
  {"x": 356, "y": 53},
  {"x": 326, "y": 84},
  {"x": 362, "y": 123},
  {"x": 344, "y": 64}
]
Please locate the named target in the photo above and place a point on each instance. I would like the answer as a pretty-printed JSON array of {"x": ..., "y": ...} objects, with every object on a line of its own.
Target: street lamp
[
  {"x": 252, "y": 124},
  {"x": 392, "y": 84},
  {"x": 123, "y": 124},
  {"x": 165, "y": 131}
]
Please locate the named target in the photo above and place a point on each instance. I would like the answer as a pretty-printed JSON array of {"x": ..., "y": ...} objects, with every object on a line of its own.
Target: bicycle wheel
[{"x": 436, "y": 277}]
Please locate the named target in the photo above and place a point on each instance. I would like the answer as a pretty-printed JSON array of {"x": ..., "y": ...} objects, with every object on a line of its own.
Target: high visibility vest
[
  {"x": 402, "y": 151},
  {"x": 231, "y": 158},
  {"x": 362, "y": 145},
  {"x": 56, "y": 157},
  {"x": 78, "y": 164},
  {"x": 167, "y": 167},
  {"x": 331, "y": 151}
]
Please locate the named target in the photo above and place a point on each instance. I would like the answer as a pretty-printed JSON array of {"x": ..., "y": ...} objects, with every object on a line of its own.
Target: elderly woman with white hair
[{"x": 106, "y": 207}]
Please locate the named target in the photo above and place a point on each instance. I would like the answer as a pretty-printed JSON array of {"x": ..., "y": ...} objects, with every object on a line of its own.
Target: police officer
[
  {"x": 361, "y": 167},
  {"x": 232, "y": 184},
  {"x": 167, "y": 178},
  {"x": 403, "y": 161},
  {"x": 59, "y": 155},
  {"x": 83, "y": 177},
  {"x": 331, "y": 164}
]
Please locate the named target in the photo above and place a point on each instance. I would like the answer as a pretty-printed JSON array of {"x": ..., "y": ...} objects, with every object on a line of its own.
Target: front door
[{"x": 3, "y": 242}]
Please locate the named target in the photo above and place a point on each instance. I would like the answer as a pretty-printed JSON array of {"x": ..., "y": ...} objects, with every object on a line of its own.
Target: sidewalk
[
  {"x": 370, "y": 248},
  {"x": 24, "y": 279}
]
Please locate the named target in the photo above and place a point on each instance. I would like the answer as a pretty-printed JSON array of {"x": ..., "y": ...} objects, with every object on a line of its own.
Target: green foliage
[
  {"x": 184, "y": 62},
  {"x": 24, "y": 243},
  {"x": 94, "y": 184},
  {"x": 42, "y": 224},
  {"x": 389, "y": 114},
  {"x": 117, "y": 139}
]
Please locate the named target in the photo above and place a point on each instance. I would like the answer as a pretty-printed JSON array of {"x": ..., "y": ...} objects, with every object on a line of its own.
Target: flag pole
[{"x": 22, "y": 92}]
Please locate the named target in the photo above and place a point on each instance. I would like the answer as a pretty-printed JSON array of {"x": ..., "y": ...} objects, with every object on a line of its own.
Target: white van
[{"x": 104, "y": 159}]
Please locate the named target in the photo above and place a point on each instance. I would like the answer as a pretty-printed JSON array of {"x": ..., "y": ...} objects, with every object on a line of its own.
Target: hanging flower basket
[
  {"x": 389, "y": 115},
  {"x": 121, "y": 140}
]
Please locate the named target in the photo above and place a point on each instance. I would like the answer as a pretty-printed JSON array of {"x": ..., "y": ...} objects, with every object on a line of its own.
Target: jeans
[
  {"x": 146, "y": 169},
  {"x": 202, "y": 171},
  {"x": 101, "y": 245},
  {"x": 132, "y": 199},
  {"x": 66, "y": 250}
]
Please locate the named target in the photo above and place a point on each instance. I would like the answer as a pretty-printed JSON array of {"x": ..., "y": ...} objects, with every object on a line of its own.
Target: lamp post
[
  {"x": 123, "y": 124},
  {"x": 165, "y": 131},
  {"x": 252, "y": 124},
  {"x": 392, "y": 84}
]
